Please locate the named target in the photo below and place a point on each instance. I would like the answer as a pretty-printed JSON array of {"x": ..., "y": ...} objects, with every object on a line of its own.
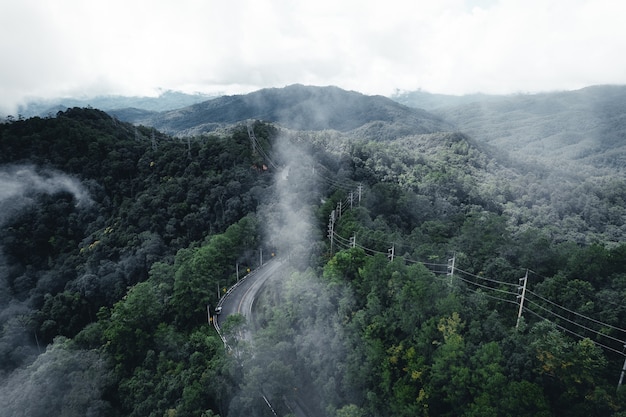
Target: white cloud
[
  {"x": 20, "y": 184},
  {"x": 73, "y": 47}
]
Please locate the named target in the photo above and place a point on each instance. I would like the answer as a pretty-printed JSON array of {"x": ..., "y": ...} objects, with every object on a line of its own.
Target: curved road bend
[{"x": 241, "y": 298}]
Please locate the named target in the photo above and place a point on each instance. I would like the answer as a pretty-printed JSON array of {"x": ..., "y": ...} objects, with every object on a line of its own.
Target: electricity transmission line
[
  {"x": 488, "y": 287},
  {"x": 576, "y": 313},
  {"x": 257, "y": 147},
  {"x": 497, "y": 290},
  {"x": 565, "y": 329}
]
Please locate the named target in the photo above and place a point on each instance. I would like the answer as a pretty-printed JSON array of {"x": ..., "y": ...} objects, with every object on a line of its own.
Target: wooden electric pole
[{"x": 521, "y": 297}]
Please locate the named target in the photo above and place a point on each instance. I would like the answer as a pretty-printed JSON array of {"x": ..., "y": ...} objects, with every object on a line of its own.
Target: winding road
[{"x": 239, "y": 299}]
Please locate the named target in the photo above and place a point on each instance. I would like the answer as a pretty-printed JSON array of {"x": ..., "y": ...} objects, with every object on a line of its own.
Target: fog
[
  {"x": 294, "y": 356},
  {"x": 288, "y": 219},
  {"x": 35, "y": 380},
  {"x": 452, "y": 46},
  {"x": 21, "y": 184},
  {"x": 60, "y": 382}
]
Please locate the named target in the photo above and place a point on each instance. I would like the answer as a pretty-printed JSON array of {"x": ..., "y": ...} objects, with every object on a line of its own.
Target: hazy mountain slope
[
  {"x": 168, "y": 100},
  {"x": 564, "y": 129},
  {"x": 300, "y": 107},
  {"x": 114, "y": 237},
  {"x": 429, "y": 101}
]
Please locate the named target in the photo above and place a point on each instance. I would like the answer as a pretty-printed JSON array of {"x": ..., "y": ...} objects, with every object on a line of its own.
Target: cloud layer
[
  {"x": 20, "y": 184},
  {"x": 79, "y": 48}
]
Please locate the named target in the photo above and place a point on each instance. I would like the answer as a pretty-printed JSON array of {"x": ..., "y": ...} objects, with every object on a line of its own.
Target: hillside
[
  {"x": 166, "y": 100},
  {"x": 297, "y": 107},
  {"x": 573, "y": 131},
  {"x": 430, "y": 101},
  {"x": 401, "y": 264}
]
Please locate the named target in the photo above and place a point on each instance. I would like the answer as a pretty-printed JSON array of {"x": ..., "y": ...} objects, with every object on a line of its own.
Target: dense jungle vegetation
[{"x": 114, "y": 239}]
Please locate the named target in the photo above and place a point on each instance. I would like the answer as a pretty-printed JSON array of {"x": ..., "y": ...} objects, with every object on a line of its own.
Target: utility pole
[
  {"x": 451, "y": 263},
  {"x": 339, "y": 209},
  {"x": 351, "y": 199},
  {"x": 360, "y": 189},
  {"x": 521, "y": 297},
  {"x": 39, "y": 348},
  {"x": 261, "y": 256},
  {"x": 353, "y": 241},
  {"x": 621, "y": 376},
  {"x": 237, "y": 269},
  {"x": 251, "y": 135},
  {"x": 269, "y": 405},
  {"x": 331, "y": 230},
  {"x": 391, "y": 252}
]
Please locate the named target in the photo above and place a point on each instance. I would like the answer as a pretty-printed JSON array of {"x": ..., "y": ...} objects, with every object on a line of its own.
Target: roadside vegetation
[{"x": 115, "y": 238}]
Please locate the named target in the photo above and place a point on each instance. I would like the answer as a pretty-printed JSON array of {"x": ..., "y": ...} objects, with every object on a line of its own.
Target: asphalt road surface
[{"x": 241, "y": 298}]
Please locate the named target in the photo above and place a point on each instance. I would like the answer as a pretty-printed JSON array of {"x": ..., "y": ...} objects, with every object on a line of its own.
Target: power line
[
  {"x": 598, "y": 333},
  {"x": 343, "y": 245},
  {"x": 576, "y": 313},
  {"x": 334, "y": 183},
  {"x": 373, "y": 251},
  {"x": 576, "y": 334},
  {"x": 487, "y": 279},
  {"x": 342, "y": 239},
  {"x": 257, "y": 146},
  {"x": 347, "y": 243},
  {"x": 328, "y": 178},
  {"x": 578, "y": 291},
  {"x": 396, "y": 245},
  {"x": 477, "y": 291},
  {"x": 486, "y": 287},
  {"x": 439, "y": 268}
]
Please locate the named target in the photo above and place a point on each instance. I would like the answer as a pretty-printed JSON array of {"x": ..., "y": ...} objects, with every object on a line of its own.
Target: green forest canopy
[{"x": 113, "y": 288}]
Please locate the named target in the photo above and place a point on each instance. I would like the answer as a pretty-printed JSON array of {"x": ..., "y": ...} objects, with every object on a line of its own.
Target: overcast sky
[{"x": 81, "y": 48}]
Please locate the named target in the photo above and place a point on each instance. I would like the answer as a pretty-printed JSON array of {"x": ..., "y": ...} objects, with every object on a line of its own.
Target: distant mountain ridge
[
  {"x": 296, "y": 107},
  {"x": 167, "y": 100},
  {"x": 583, "y": 126},
  {"x": 430, "y": 101},
  {"x": 563, "y": 129}
]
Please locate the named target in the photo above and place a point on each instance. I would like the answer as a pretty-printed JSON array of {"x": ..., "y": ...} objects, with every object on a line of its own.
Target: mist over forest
[{"x": 407, "y": 229}]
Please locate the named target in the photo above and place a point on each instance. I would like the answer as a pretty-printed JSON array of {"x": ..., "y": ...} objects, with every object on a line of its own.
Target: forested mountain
[
  {"x": 114, "y": 239},
  {"x": 166, "y": 100},
  {"x": 296, "y": 107},
  {"x": 430, "y": 101},
  {"x": 90, "y": 207},
  {"x": 570, "y": 130}
]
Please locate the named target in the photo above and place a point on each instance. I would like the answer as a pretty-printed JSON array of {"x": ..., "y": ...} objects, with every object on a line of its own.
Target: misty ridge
[
  {"x": 20, "y": 189},
  {"x": 551, "y": 128},
  {"x": 115, "y": 237},
  {"x": 296, "y": 107},
  {"x": 166, "y": 100},
  {"x": 51, "y": 379},
  {"x": 21, "y": 184},
  {"x": 560, "y": 129}
]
